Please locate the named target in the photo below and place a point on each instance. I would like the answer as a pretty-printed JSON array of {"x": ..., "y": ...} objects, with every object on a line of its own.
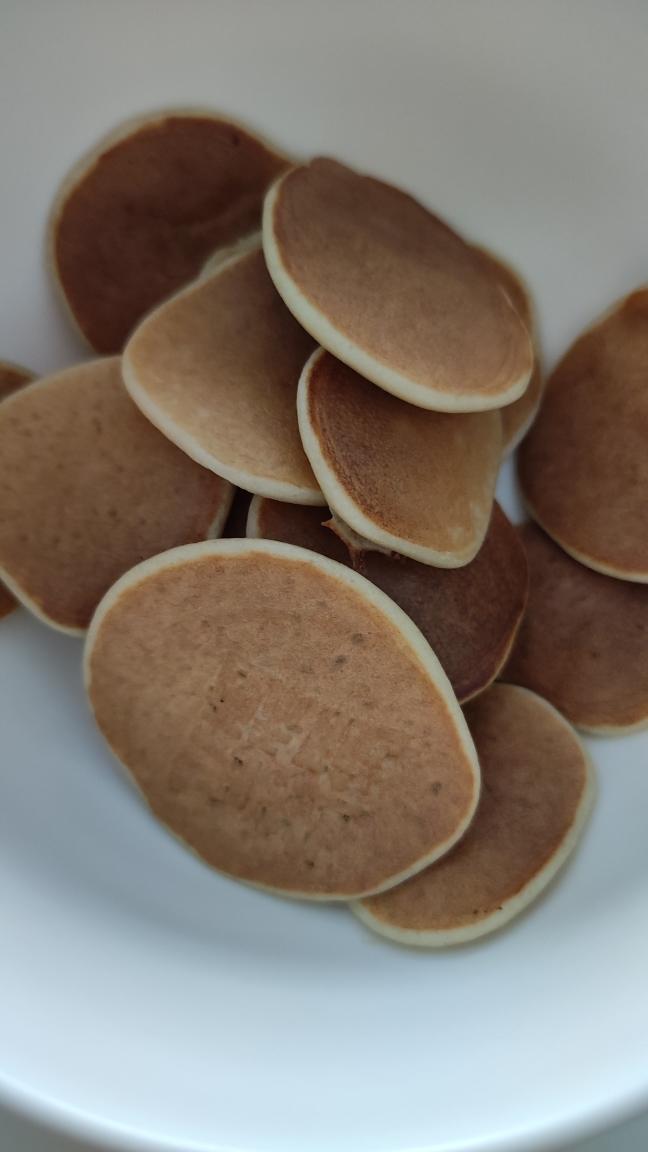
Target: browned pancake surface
[
  {"x": 403, "y": 298},
  {"x": 536, "y": 786},
  {"x": 278, "y": 721},
  {"x": 421, "y": 482},
  {"x": 584, "y": 465},
  {"x": 217, "y": 368},
  {"x": 90, "y": 489},
  {"x": 140, "y": 218},
  {"x": 295, "y": 524},
  {"x": 12, "y": 376},
  {"x": 583, "y": 643}
]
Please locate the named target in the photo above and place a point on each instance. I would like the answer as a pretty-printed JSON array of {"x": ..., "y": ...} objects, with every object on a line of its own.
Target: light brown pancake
[
  {"x": 583, "y": 467},
  {"x": 294, "y": 524},
  {"x": 216, "y": 370},
  {"x": 538, "y": 789},
  {"x": 584, "y": 640},
  {"x": 518, "y": 417},
  {"x": 90, "y": 488},
  {"x": 12, "y": 376},
  {"x": 139, "y": 215},
  {"x": 282, "y": 717},
  {"x": 392, "y": 291},
  {"x": 420, "y": 483}
]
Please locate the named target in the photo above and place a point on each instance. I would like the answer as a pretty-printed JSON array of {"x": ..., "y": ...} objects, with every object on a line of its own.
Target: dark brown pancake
[
  {"x": 538, "y": 788},
  {"x": 90, "y": 489},
  {"x": 420, "y": 483},
  {"x": 294, "y": 524},
  {"x": 584, "y": 640},
  {"x": 392, "y": 291},
  {"x": 282, "y": 717},
  {"x": 12, "y": 376},
  {"x": 583, "y": 467},
  {"x": 138, "y": 217}
]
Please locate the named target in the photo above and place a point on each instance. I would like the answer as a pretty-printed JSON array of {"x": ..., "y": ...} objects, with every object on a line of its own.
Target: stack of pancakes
[{"x": 269, "y": 504}]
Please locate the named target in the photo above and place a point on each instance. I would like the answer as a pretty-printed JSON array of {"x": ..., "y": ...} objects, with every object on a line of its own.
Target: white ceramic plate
[{"x": 147, "y": 1002}]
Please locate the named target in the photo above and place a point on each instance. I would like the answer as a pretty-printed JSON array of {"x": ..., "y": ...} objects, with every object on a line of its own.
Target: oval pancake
[
  {"x": 295, "y": 524},
  {"x": 90, "y": 488},
  {"x": 282, "y": 717},
  {"x": 420, "y": 483},
  {"x": 518, "y": 417},
  {"x": 583, "y": 642},
  {"x": 392, "y": 291},
  {"x": 216, "y": 370},
  {"x": 583, "y": 467},
  {"x": 138, "y": 216},
  {"x": 538, "y": 790},
  {"x": 12, "y": 376},
  {"x": 470, "y": 616}
]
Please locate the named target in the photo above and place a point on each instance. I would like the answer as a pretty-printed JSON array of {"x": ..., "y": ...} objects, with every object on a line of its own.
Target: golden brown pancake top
[
  {"x": 398, "y": 285},
  {"x": 584, "y": 466},
  {"x": 583, "y": 643},
  {"x": 217, "y": 368},
  {"x": 140, "y": 220},
  {"x": 11, "y": 377},
  {"x": 469, "y": 615},
  {"x": 295, "y": 524},
  {"x": 277, "y": 721},
  {"x": 534, "y": 775},
  {"x": 425, "y": 478},
  {"x": 90, "y": 489}
]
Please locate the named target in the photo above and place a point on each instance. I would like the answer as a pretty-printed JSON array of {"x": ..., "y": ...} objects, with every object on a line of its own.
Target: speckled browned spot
[
  {"x": 584, "y": 466},
  {"x": 89, "y": 489},
  {"x": 278, "y": 721},
  {"x": 584, "y": 640},
  {"x": 141, "y": 217}
]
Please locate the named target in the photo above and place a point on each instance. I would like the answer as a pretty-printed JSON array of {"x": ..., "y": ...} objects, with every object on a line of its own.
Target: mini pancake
[
  {"x": 392, "y": 291},
  {"x": 583, "y": 467},
  {"x": 12, "y": 376},
  {"x": 584, "y": 640},
  {"x": 538, "y": 790},
  {"x": 140, "y": 214},
  {"x": 470, "y": 616},
  {"x": 90, "y": 488},
  {"x": 216, "y": 370},
  {"x": 420, "y": 483},
  {"x": 518, "y": 417},
  {"x": 294, "y": 524},
  {"x": 282, "y": 717}
]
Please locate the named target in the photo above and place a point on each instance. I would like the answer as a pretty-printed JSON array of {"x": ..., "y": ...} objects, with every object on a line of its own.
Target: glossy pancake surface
[
  {"x": 12, "y": 376},
  {"x": 138, "y": 217},
  {"x": 392, "y": 291},
  {"x": 583, "y": 643},
  {"x": 90, "y": 489},
  {"x": 282, "y": 717},
  {"x": 583, "y": 468},
  {"x": 537, "y": 792},
  {"x": 294, "y": 524},
  {"x": 418, "y": 482},
  {"x": 216, "y": 370}
]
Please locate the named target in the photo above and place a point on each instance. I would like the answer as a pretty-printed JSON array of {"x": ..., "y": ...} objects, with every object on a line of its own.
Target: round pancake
[
  {"x": 583, "y": 467},
  {"x": 392, "y": 291},
  {"x": 583, "y": 642},
  {"x": 470, "y": 616},
  {"x": 282, "y": 717},
  {"x": 295, "y": 524},
  {"x": 420, "y": 483},
  {"x": 90, "y": 488},
  {"x": 138, "y": 216},
  {"x": 518, "y": 417},
  {"x": 538, "y": 789},
  {"x": 216, "y": 370},
  {"x": 12, "y": 376}
]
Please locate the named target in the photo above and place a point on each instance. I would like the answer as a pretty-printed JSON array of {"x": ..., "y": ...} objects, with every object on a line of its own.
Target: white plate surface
[{"x": 146, "y": 1001}]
